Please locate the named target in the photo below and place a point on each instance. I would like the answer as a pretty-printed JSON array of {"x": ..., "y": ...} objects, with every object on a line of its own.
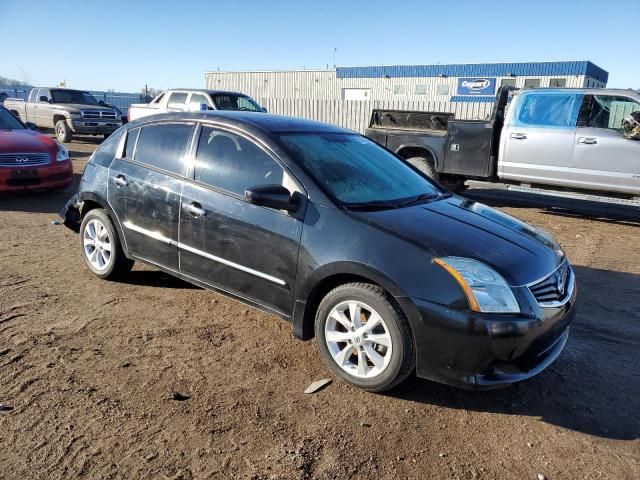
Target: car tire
[
  {"x": 371, "y": 354},
  {"x": 63, "y": 132},
  {"x": 453, "y": 183},
  {"x": 100, "y": 246}
]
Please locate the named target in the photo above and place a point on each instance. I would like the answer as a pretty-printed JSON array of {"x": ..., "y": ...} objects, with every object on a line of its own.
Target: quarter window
[
  {"x": 177, "y": 100},
  {"x": 164, "y": 146},
  {"x": 233, "y": 163},
  {"x": 130, "y": 143},
  {"x": 548, "y": 110},
  {"x": 603, "y": 111}
]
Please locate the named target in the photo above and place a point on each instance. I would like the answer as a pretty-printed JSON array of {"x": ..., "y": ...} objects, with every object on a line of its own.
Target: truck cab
[{"x": 568, "y": 138}]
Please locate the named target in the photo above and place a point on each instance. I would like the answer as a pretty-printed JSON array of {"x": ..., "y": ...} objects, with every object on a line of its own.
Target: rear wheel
[
  {"x": 100, "y": 245},
  {"x": 364, "y": 337},
  {"x": 63, "y": 132},
  {"x": 427, "y": 166}
]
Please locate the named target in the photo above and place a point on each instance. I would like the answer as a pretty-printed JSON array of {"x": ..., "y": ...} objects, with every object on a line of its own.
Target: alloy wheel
[
  {"x": 97, "y": 245},
  {"x": 358, "y": 339}
]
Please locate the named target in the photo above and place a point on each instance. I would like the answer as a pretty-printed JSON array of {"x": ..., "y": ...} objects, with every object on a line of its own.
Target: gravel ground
[{"x": 155, "y": 378}]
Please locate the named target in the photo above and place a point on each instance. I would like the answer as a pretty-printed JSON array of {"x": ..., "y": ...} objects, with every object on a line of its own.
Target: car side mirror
[
  {"x": 272, "y": 196},
  {"x": 31, "y": 126},
  {"x": 264, "y": 110},
  {"x": 44, "y": 98},
  {"x": 101, "y": 103}
]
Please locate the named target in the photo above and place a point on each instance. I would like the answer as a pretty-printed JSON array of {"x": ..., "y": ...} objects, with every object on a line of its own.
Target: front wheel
[
  {"x": 100, "y": 245},
  {"x": 63, "y": 132},
  {"x": 364, "y": 337}
]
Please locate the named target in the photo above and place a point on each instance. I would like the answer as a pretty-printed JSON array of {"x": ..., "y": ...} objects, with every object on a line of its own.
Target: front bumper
[
  {"x": 91, "y": 127},
  {"x": 56, "y": 175},
  {"x": 481, "y": 351}
]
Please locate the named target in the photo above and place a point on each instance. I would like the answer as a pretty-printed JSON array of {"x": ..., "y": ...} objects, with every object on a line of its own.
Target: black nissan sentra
[{"x": 326, "y": 229}]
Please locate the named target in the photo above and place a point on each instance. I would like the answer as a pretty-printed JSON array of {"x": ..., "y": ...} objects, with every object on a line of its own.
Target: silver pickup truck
[
  {"x": 68, "y": 111},
  {"x": 570, "y": 138}
]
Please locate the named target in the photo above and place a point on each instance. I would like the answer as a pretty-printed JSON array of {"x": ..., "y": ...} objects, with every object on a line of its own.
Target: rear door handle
[
  {"x": 518, "y": 136},
  {"x": 195, "y": 209},
  {"x": 120, "y": 181},
  {"x": 587, "y": 140}
]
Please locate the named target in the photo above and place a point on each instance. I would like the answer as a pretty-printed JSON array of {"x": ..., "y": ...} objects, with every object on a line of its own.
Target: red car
[{"x": 30, "y": 160}]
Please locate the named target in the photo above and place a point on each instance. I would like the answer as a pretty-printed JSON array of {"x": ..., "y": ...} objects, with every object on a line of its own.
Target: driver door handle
[
  {"x": 195, "y": 209},
  {"x": 587, "y": 140},
  {"x": 120, "y": 181},
  {"x": 518, "y": 136}
]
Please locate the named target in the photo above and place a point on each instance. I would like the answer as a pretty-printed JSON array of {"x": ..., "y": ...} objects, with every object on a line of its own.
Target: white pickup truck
[{"x": 185, "y": 100}]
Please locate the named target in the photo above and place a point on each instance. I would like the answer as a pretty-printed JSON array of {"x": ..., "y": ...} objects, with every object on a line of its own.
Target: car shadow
[
  {"x": 156, "y": 278},
  {"x": 38, "y": 201},
  {"x": 619, "y": 213},
  {"x": 592, "y": 388}
]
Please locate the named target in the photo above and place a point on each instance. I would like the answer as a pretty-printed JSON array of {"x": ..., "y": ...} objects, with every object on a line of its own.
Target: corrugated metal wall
[{"x": 355, "y": 115}]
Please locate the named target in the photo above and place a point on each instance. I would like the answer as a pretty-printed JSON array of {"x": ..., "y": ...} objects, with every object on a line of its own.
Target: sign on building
[{"x": 477, "y": 86}]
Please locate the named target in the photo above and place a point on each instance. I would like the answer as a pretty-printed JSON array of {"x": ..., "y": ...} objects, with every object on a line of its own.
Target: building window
[
  {"x": 508, "y": 82},
  {"x": 399, "y": 89},
  {"x": 421, "y": 89},
  {"x": 531, "y": 82},
  {"x": 558, "y": 82},
  {"x": 443, "y": 89}
]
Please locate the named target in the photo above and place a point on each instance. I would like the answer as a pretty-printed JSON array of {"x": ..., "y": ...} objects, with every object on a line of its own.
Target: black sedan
[{"x": 322, "y": 227}]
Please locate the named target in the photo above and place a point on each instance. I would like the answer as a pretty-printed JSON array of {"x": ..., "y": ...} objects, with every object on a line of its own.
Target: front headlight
[
  {"x": 484, "y": 288},
  {"x": 75, "y": 115},
  {"x": 62, "y": 154}
]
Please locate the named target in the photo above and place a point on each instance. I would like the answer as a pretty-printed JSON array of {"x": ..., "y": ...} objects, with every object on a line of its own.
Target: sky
[{"x": 125, "y": 45}]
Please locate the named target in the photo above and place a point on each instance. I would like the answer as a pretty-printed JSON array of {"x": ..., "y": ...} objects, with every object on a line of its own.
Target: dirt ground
[{"x": 155, "y": 378}]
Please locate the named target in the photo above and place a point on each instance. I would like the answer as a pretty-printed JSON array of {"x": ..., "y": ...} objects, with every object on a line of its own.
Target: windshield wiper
[
  {"x": 419, "y": 198},
  {"x": 372, "y": 205}
]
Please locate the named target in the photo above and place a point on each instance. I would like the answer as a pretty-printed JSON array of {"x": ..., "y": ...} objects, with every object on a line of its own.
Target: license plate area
[{"x": 26, "y": 176}]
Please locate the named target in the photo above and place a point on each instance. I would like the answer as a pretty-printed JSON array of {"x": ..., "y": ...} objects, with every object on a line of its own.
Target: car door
[
  {"x": 227, "y": 242},
  {"x": 43, "y": 109},
  {"x": 603, "y": 159},
  {"x": 145, "y": 186},
  {"x": 537, "y": 141}
]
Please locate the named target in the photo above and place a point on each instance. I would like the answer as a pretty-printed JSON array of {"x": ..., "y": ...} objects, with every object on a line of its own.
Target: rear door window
[
  {"x": 233, "y": 163},
  {"x": 548, "y": 110},
  {"x": 196, "y": 100},
  {"x": 177, "y": 100},
  {"x": 164, "y": 146}
]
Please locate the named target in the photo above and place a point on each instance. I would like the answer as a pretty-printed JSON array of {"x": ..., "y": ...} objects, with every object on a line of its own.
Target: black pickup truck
[{"x": 447, "y": 150}]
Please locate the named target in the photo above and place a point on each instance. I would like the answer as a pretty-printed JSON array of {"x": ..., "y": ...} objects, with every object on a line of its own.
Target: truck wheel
[
  {"x": 453, "y": 183},
  {"x": 364, "y": 337},
  {"x": 63, "y": 132},
  {"x": 425, "y": 165}
]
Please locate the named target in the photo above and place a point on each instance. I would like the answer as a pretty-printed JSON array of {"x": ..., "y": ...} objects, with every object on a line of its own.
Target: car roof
[
  {"x": 590, "y": 91},
  {"x": 264, "y": 121},
  {"x": 206, "y": 90}
]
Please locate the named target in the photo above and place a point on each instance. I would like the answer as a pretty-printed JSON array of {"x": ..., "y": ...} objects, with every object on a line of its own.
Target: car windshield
[
  {"x": 224, "y": 101},
  {"x": 356, "y": 171},
  {"x": 8, "y": 121},
  {"x": 73, "y": 96}
]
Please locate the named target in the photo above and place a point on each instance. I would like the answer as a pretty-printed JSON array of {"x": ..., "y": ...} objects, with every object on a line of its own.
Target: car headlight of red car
[{"x": 62, "y": 155}]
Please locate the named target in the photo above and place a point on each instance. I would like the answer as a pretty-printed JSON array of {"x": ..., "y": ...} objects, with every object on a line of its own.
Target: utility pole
[{"x": 334, "y": 56}]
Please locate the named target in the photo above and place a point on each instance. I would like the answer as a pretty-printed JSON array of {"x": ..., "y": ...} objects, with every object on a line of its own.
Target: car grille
[
  {"x": 23, "y": 159},
  {"x": 555, "y": 289},
  {"x": 99, "y": 114}
]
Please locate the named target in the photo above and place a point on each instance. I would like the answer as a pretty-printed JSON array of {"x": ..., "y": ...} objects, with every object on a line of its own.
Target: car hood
[
  {"x": 76, "y": 107},
  {"x": 25, "y": 141},
  {"x": 459, "y": 227}
]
